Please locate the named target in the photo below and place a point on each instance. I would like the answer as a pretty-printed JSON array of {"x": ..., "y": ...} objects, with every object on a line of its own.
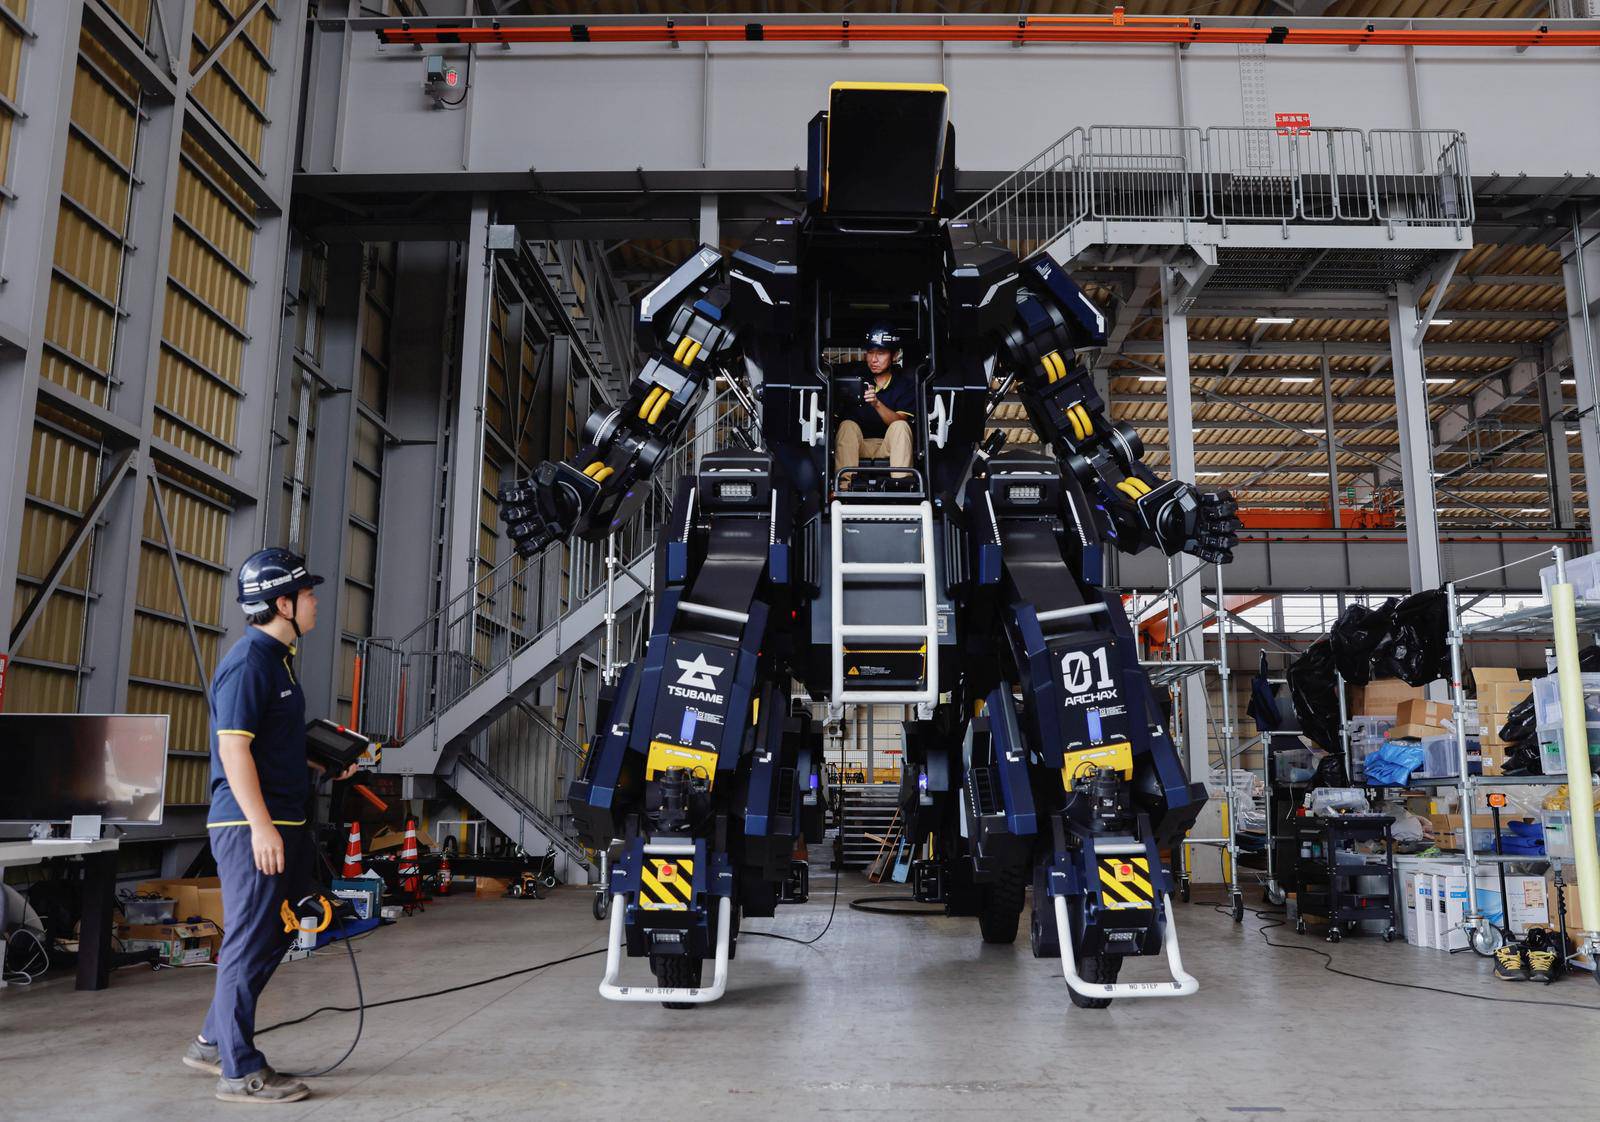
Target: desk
[{"x": 99, "y": 879}]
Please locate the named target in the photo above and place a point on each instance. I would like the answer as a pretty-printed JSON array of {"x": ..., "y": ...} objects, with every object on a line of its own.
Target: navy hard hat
[
  {"x": 882, "y": 337},
  {"x": 270, "y": 573}
]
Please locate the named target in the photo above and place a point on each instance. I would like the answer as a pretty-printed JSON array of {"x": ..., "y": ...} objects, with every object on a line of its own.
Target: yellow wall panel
[
  {"x": 134, "y": 13},
  {"x": 234, "y": 89},
  {"x": 39, "y": 689}
]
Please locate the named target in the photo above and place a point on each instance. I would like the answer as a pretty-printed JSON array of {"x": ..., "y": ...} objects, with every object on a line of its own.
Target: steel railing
[
  {"x": 1226, "y": 174},
  {"x": 407, "y": 682}
]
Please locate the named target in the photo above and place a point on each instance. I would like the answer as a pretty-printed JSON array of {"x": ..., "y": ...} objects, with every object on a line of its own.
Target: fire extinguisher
[{"x": 444, "y": 875}]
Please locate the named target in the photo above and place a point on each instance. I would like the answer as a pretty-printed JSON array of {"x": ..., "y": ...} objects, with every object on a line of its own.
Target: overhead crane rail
[{"x": 1120, "y": 30}]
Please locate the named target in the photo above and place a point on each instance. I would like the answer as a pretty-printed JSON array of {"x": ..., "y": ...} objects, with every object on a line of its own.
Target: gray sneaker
[
  {"x": 203, "y": 1057},
  {"x": 264, "y": 1086}
]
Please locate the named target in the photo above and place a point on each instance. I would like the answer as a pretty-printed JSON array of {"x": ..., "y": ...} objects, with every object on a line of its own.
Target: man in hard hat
[
  {"x": 879, "y": 424},
  {"x": 260, "y": 792}
]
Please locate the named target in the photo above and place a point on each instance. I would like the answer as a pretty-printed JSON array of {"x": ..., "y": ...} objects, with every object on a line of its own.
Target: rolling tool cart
[{"x": 1329, "y": 864}]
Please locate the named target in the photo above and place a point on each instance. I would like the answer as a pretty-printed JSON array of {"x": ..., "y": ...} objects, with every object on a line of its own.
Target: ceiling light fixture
[
  {"x": 1274, "y": 319},
  {"x": 1303, "y": 381},
  {"x": 1151, "y": 378},
  {"x": 1440, "y": 381},
  {"x": 1440, "y": 322},
  {"x": 1534, "y": 510}
]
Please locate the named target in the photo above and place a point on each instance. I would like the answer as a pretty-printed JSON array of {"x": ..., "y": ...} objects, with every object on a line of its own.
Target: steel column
[
  {"x": 328, "y": 532},
  {"x": 1580, "y": 270},
  {"x": 1416, "y": 440},
  {"x": 1180, "y": 408},
  {"x": 466, "y": 446},
  {"x": 1557, "y": 457},
  {"x": 38, "y": 153}
]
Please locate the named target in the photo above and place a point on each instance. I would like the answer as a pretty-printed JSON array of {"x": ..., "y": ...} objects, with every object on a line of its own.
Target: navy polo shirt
[
  {"x": 898, "y": 393},
  {"x": 255, "y": 694}
]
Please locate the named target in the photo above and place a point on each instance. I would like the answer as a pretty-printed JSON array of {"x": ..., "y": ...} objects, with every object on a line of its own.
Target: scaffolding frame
[{"x": 1172, "y": 673}]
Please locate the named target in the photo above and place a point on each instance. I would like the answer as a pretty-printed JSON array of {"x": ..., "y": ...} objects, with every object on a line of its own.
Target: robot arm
[
  {"x": 683, "y": 323},
  {"x": 1053, "y": 319}
]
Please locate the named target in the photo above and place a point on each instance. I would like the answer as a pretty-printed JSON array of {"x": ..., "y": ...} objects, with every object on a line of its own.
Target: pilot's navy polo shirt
[
  {"x": 899, "y": 393},
  {"x": 255, "y": 694}
]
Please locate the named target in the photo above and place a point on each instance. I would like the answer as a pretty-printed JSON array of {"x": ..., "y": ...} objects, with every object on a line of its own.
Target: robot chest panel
[{"x": 696, "y": 687}]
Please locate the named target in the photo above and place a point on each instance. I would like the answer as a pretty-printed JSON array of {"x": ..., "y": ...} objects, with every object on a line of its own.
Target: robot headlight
[
  {"x": 736, "y": 492},
  {"x": 1024, "y": 492}
]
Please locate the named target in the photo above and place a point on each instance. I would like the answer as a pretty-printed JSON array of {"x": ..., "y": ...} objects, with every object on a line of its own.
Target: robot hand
[
  {"x": 547, "y": 506},
  {"x": 1184, "y": 519}
]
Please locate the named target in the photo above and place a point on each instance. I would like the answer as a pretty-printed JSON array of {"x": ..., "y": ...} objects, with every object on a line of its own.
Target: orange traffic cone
[
  {"x": 444, "y": 875},
  {"x": 410, "y": 869},
  {"x": 352, "y": 852}
]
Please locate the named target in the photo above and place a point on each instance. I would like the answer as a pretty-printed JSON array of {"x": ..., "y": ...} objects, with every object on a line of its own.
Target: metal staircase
[
  {"x": 517, "y": 818},
  {"x": 432, "y": 693},
  {"x": 1315, "y": 207}
]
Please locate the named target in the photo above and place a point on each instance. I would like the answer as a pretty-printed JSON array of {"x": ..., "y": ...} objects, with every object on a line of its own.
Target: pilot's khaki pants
[{"x": 849, "y": 445}]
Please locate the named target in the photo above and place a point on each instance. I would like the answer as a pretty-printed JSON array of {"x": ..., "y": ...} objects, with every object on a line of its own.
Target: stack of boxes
[
  {"x": 1374, "y": 710},
  {"x": 1499, "y": 691}
]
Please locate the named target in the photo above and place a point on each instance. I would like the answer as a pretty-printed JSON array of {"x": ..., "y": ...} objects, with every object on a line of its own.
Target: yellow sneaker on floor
[
  {"x": 1542, "y": 966},
  {"x": 1511, "y": 964}
]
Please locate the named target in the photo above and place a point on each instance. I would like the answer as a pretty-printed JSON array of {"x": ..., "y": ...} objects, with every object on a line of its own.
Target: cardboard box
[
  {"x": 394, "y": 839},
  {"x": 492, "y": 886},
  {"x": 1446, "y": 825},
  {"x": 193, "y": 897},
  {"x": 1381, "y": 698},
  {"x": 1419, "y": 711},
  {"x": 179, "y": 944}
]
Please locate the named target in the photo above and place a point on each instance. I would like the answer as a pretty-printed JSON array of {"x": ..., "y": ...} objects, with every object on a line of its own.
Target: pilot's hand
[{"x": 546, "y": 506}]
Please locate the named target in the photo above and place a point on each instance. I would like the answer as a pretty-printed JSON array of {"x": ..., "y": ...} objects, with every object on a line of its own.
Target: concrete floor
[{"x": 885, "y": 1016}]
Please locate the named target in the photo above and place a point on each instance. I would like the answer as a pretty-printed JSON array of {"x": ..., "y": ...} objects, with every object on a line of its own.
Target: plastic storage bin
[
  {"x": 1441, "y": 758},
  {"x": 1558, "y": 832},
  {"x": 1583, "y": 573},
  {"x": 1293, "y": 765},
  {"x": 1547, "y": 700},
  {"x": 1552, "y": 748}
]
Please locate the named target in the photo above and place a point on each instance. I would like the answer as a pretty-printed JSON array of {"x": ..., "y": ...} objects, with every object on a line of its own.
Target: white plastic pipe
[
  {"x": 1182, "y": 985},
  {"x": 1575, "y": 735},
  {"x": 699, "y": 995}
]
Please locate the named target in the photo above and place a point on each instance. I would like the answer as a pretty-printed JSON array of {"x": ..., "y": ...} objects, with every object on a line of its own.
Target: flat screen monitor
[{"x": 56, "y": 765}]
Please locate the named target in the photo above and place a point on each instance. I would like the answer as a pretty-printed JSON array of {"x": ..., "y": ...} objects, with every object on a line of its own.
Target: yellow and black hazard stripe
[
  {"x": 666, "y": 884},
  {"x": 1125, "y": 883}
]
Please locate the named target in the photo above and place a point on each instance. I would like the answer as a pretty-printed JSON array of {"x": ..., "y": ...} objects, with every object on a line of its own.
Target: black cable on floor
[
  {"x": 1327, "y": 964},
  {"x": 431, "y": 993},
  {"x": 833, "y": 907},
  {"x": 872, "y": 905}
]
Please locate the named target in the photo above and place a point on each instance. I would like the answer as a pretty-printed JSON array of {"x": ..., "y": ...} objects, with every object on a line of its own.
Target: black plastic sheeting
[
  {"x": 1415, "y": 649},
  {"x": 1402, "y": 639},
  {"x": 1314, "y": 689},
  {"x": 1356, "y": 636}
]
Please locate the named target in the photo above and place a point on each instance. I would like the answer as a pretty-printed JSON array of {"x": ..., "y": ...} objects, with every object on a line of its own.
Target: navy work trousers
[{"x": 253, "y": 938}]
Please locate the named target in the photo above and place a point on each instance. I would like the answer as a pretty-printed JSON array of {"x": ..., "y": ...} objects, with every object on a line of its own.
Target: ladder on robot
[{"x": 884, "y": 605}]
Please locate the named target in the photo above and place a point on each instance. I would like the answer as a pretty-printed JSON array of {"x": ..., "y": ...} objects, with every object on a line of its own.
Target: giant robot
[{"x": 965, "y": 589}]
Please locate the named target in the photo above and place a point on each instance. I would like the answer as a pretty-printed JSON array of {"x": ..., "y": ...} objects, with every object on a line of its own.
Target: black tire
[
  {"x": 1001, "y": 911},
  {"x": 1299, "y": 927},
  {"x": 1388, "y": 936},
  {"x": 1334, "y": 934},
  {"x": 1096, "y": 968},
  {"x": 676, "y": 971},
  {"x": 1183, "y": 890},
  {"x": 1238, "y": 908},
  {"x": 601, "y": 906},
  {"x": 1043, "y": 943}
]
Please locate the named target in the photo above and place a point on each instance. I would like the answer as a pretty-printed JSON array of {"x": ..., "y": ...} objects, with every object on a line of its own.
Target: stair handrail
[
  {"x": 483, "y": 626},
  {"x": 546, "y": 825}
]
